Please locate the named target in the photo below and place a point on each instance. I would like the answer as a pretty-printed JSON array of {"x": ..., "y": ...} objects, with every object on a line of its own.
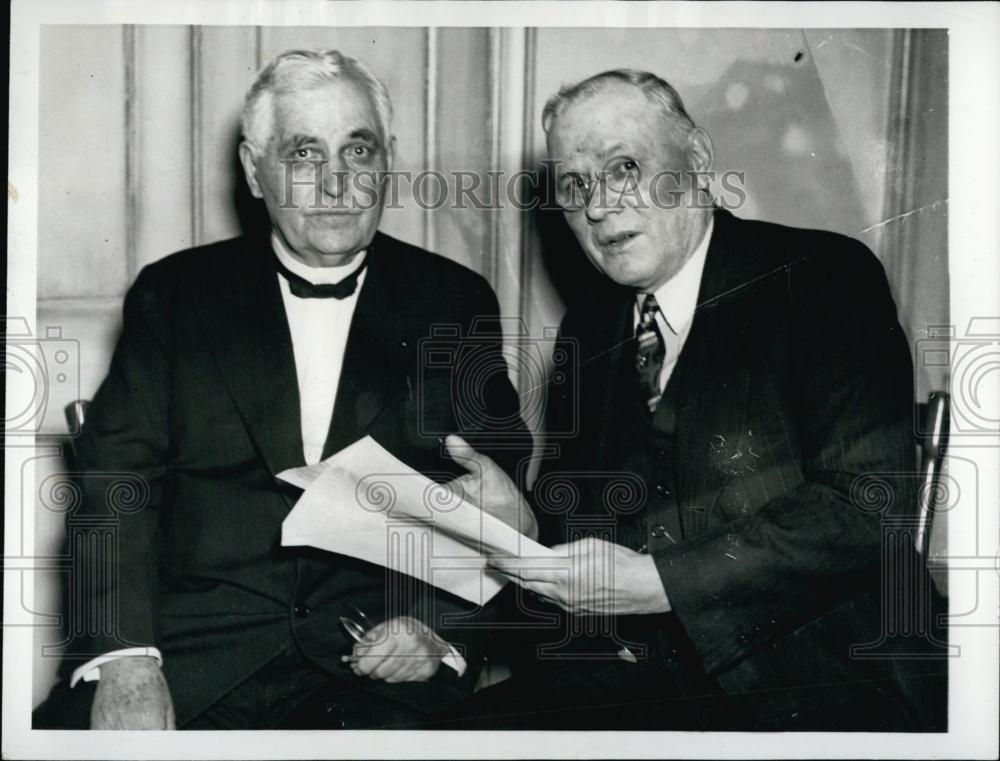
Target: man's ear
[
  {"x": 700, "y": 151},
  {"x": 390, "y": 153},
  {"x": 248, "y": 160}
]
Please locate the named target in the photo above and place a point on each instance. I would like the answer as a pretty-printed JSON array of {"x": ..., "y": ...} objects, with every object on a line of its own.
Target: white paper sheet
[{"x": 365, "y": 503}]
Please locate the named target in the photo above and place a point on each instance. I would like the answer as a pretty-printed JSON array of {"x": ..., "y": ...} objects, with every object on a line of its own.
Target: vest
[{"x": 631, "y": 499}]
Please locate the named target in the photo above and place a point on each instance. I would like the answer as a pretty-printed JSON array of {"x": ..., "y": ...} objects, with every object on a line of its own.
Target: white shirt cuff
[
  {"x": 91, "y": 670},
  {"x": 455, "y": 660}
]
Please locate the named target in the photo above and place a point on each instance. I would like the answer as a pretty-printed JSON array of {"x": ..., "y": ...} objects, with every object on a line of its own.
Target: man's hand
[
  {"x": 132, "y": 694},
  {"x": 401, "y": 649},
  {"x": 595, "y": 576},
  {"x": 489, "y": 488}
]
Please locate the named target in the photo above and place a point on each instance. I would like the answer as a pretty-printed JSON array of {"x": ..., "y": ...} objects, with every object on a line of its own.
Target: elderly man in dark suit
[
  {"x": 244, "y": 358},
  {"x": 726, "y": 396}
]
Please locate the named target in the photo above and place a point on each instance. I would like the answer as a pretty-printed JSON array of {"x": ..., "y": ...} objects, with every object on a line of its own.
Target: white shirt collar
[
  {"x": 678, "y": 297},
  {"x": 314, "y": 275}
]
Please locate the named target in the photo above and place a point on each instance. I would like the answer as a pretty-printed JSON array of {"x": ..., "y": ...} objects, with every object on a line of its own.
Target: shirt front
[
  {"x": 678, "y": 299},
  {"x": 319, "y": 330}
]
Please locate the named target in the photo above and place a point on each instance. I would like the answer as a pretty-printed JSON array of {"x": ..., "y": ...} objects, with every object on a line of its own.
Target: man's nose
[
  {"x": 601, "y": 203},
  {"x": 335, "y": 179}
]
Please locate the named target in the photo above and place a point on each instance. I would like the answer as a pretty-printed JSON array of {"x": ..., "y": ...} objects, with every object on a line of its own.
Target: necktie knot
[
  {"x": 649, "y": 308},
  {"x": 303, "y": 289}
]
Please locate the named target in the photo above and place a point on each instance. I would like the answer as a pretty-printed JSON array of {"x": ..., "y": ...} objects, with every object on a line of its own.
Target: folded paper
[{"x": 365, "y": 503}]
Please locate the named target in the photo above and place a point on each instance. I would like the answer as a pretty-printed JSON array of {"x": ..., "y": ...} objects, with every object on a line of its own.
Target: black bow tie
[{"x": 302, "y": 288}]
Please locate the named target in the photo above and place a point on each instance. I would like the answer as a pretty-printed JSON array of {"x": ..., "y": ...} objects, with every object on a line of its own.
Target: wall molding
[
  {"x": 80, "y": 302},
  {"x": 914, "y": 239},
  {"x": 493, "y": 139},
  {"x": 197, "y": 168},
  {"x": 430, "y": 126},
  {"x": 529, "y": 236},
  {"x": 899, "y": 170},
  {"x": 132, "y": 137},
  {"x": 510, "y": 62}
]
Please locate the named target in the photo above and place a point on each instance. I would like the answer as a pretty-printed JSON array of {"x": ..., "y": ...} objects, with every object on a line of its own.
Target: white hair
[
  {"x": 297, "y": 70},
  {"x": 658, "y": 91}
]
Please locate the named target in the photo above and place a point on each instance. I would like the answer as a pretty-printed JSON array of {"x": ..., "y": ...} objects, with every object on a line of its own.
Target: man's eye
[
  {"x": 573, "y": 183},
  {"x": 620, "y": 170},
  {"x": 625, "y": 166},
  {"x": 567, "y": 184},
  {"x": 359, "y": 151},
  {"x": 305, "y": 153}
]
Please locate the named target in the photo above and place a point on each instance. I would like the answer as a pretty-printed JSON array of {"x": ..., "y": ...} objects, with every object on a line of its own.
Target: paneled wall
[
  {"x": 139, "y": 127},
  {"x": 139, "y": 130},
  {"x": 840, "y": 129}
]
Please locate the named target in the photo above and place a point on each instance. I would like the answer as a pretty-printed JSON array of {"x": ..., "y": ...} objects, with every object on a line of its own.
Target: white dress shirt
[
  {"x": 677, "y": 299},
  {"x": 319, "y": 330}
]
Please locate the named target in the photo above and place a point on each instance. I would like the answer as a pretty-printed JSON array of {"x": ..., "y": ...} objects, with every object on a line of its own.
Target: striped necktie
[{"x": 650, "y": 353}]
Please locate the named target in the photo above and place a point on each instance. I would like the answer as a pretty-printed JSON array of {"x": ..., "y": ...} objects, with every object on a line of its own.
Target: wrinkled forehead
[
  {"x": 340, "y": 105},
  {"x": 597, "y": 126}
]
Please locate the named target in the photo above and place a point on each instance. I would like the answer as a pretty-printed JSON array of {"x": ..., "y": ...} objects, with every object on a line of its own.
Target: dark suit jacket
[
  {"x": 202, "y": 403},
  {"x": 794, "y": 445}
]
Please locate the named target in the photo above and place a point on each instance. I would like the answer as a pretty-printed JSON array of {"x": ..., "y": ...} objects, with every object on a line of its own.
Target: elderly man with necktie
[{"x": 713, "y": 412}]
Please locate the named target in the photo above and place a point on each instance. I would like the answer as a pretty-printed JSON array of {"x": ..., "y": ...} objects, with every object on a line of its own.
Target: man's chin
[
  {"x": 330, "y": 254},
  {"x": 626, "y": 273},
  {"x": 338, "y": 249}
]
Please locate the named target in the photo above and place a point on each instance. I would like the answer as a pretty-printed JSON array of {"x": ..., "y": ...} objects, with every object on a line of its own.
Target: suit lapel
[
  {"x": 375, "y": 366},
  {"x": 602, "y": 355},
  {"x": 616, "y": 341},
  {"x": 244, "y": 320},
  {"x": 711, "y": 376}
]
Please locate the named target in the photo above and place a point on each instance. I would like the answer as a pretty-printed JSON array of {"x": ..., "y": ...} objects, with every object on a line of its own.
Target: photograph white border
[{"x": 974, "y": 232}]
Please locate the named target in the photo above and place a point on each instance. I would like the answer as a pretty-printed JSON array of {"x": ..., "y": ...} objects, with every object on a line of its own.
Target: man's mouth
[
  {"x": 332, "y": 212},
  {"x": 616, "y": 241}
]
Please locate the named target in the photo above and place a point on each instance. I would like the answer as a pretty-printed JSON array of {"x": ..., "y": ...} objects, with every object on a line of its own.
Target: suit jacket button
[
  {"x": 662, "y": 490},
  {"x": 658, "y": 531},
  {"x": 643, "y": 550},
  {"x": 302, "y": 610}
]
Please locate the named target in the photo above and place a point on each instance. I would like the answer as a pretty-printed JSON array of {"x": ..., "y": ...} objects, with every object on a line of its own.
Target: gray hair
[
  {"x": 657, "y": 91},
  {"x": 297, "y": 70}
]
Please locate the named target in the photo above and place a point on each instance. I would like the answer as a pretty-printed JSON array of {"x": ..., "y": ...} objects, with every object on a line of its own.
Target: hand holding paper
[
  {"x": 592, "y": 575},
  {"x": 488, "y": 487},
  {"x": 365, "y": 503}
]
